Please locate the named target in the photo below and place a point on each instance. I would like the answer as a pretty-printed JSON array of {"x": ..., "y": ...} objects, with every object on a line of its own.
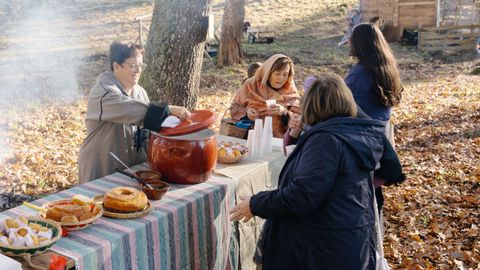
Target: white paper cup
[
  {"x": 267, "y": 135},
  {"x": 251, "y": 133},
  {"x": 271, "y": 102}
]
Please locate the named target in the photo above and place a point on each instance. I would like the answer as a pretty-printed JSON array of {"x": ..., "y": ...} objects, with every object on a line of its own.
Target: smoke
[
  {"x": 4, "y": 149},
  {"x": 40, "y": 59},
  {"x": 39, "y": 55}
]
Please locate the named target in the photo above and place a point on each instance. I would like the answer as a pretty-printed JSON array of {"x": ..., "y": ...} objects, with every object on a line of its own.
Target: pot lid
[{"x": 199, "y": 119}]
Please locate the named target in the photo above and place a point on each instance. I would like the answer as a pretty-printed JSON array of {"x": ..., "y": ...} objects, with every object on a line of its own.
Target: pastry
[
  {"x": 125, "y": 199},
  {"x": 57, "y": 212},
  {"x": 69, "y": 219}
]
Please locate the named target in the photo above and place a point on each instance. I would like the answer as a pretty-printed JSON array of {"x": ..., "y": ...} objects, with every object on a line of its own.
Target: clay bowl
[
  {"x": 153, "y": 178},
  {"x": 159, "y": 189},
  {"x": 149, "y": 175}
]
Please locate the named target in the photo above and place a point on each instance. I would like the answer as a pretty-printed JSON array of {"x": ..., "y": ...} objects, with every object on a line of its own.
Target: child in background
[{"x": 251, "y": 69}]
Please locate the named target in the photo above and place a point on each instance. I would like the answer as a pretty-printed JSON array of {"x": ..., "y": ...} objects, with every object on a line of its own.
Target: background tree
[
  {"x": 174, "y": 51},
  {"x": 230, "y": 51}
]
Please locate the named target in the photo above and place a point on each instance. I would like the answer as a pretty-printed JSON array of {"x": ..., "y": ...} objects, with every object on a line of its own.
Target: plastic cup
[
  {"x": 251, "y": 134},
  {"x": 258, "y": 138},
  {"x": 267, "y": 135},
  {"x": 271, "y": 102}
]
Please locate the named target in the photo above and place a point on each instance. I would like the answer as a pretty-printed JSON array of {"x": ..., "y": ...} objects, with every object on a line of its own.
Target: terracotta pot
[{"x": 185, "y": 159}]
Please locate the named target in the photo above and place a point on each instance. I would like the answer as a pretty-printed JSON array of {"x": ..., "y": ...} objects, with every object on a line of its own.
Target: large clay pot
[{"x": 185, "y": 159}]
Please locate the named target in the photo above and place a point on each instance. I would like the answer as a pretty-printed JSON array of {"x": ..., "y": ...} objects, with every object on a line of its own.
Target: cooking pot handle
[{"x": 179, "y": 152}]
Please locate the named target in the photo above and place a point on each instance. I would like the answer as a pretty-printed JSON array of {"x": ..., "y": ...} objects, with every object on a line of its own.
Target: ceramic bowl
[
  {"x": 149, "y": 175},
  {"x": 158, "y": 191}
]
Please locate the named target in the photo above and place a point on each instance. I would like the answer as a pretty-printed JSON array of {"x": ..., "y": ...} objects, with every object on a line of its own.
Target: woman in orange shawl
[{"x": 273, "y": 80}]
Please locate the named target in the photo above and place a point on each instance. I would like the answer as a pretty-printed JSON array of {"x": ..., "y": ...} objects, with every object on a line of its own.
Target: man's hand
[{"x": 181, "y": 112}]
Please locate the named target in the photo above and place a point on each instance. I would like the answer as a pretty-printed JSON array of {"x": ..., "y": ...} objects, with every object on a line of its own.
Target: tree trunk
[
  {"x": 230, "y": 51},
  {"x": 174, "y": 51}
]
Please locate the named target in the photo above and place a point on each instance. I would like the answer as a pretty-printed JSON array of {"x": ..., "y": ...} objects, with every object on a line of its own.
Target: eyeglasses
[{"x": 135, "y": 67}]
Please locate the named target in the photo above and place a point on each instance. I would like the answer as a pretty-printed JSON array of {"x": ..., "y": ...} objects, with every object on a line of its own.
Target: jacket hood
[
  {"x": 364, "y": 137},
  {"x": 263, "y": 73}
]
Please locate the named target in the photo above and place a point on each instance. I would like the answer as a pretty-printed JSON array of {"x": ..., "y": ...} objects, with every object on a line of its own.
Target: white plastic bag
[{"x": 382, "y": 263}]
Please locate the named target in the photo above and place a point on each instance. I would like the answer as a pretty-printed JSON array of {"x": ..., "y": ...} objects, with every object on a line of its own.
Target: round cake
[{"x": 125, "y": 199}]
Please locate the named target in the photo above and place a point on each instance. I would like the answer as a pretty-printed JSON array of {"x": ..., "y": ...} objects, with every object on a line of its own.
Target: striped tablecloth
[{"x": 187, "y": 229}]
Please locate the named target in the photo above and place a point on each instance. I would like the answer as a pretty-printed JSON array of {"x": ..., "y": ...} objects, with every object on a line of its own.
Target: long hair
[
  {"x": 326, "y": 98},
  {"x": 371, "y": 49}
]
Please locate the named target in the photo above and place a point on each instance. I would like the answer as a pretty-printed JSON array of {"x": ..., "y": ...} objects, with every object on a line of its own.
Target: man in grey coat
[{"x": 117, "y": 108}]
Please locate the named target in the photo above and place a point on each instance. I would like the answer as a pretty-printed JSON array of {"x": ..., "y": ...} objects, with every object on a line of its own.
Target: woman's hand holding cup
[
  {"x": 276, "y": 109},
  {"x": 295, "y": 121},
  {"x": 252, "y": 114},
  {"x": 181, "y": 112}
]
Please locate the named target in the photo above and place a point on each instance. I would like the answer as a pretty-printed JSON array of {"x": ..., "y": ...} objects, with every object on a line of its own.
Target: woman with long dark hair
[{"x": 374, "y": 80}]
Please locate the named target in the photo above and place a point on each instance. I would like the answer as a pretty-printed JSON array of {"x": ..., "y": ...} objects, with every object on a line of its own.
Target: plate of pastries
[
  {"x": 125, "y": 202},
  {"x": 229, "y": 152},
  {"x": 73, "y": 214},
  {"x": 27, "y": 235}
]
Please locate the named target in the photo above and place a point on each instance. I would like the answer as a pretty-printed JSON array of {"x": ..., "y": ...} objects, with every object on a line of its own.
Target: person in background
[
  {"x": 321, "y": 215},
  {"x": 117, "y": 108},
  {"x": 375, "y": 79},
  {"x": 375, "y": 83},
  {"x": 354, "y": 17},
  {"x": 251, "y": 69},
  {"x": 294, "y": 126},
  {"x": 273, "y": 80}
]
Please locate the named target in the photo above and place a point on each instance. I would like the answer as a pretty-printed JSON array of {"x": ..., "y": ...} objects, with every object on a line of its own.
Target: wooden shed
[
  {"x": 442, "y": 25},
  {"x": 401, "y": 13},
  {"x": 427, "y": 13}
]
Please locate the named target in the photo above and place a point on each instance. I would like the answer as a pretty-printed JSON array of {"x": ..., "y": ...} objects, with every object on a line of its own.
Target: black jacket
[{"x": 321, "y": 216}]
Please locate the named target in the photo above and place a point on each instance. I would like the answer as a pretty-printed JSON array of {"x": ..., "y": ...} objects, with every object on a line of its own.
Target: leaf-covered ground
[{"x": 431, "y": 220}]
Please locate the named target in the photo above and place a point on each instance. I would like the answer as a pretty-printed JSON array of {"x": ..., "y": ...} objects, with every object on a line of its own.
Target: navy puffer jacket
[{"x": 321, "y": 216}]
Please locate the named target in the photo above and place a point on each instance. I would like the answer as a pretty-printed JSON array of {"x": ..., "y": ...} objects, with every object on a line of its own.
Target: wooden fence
[
  {"x": 448, "y": 39},
  {"x": 142, "y": 26}
]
